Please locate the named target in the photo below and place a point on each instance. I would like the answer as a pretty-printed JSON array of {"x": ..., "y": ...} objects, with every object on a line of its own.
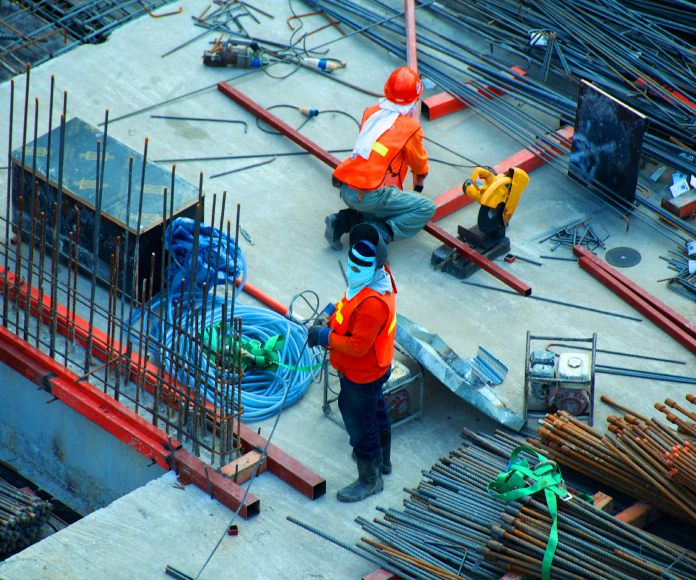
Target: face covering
[
  {"x": 360, "y": 278},
  {"x": 360, "y": 269}
]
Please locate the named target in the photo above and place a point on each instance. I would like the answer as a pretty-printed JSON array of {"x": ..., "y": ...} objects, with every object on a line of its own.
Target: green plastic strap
[
  {"x": 254, "y": 354},
  {"x": 513, "y": 484}
]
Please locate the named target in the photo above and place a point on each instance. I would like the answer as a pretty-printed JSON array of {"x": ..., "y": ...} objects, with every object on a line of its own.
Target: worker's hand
[
  {"x": 318, "y": 336},
  {"x": 418, "y": 182},
  {"x": 323, "y": 317}
]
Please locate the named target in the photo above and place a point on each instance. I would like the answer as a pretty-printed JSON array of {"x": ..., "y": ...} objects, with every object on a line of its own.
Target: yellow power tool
[{"x": 498, "y": 195}]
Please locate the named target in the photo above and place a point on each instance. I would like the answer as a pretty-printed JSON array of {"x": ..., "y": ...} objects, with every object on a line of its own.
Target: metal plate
[{"x": 622, "y": 257}]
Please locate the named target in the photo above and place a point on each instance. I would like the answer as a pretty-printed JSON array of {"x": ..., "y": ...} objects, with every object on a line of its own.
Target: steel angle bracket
[{"x": 461, "y": 376}]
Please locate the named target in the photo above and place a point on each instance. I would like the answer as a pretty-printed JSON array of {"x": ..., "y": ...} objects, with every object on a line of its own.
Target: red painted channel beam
[
  {"x": 673, "y": 323},
  {"x": 280, "y": 463},
  {"x": 443, "y": 103},
  {"x": 279, "y": 125},
  {"x": 526, "y": 159},
  {"x": 333, "y": 162},
  {"x": 481, "y": 261},
  {"x": 121, "y": 422},
  {"x": 85, "y": 398}
]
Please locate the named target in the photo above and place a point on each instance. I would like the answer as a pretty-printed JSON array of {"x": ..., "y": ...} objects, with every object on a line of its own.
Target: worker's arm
[
  {"x": 369, "y": 318},
  {"x": 417, "y": 157}
]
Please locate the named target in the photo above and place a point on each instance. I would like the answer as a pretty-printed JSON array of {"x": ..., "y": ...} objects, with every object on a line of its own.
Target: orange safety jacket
[
  {"x": 388, "y": 162},
  {"x": 375, "y": 362}
]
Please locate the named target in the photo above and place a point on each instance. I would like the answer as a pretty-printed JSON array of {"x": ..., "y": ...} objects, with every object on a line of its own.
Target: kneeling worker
[
  {"x": 359, "y": 332},
  {"x": 371, "y": 179}
]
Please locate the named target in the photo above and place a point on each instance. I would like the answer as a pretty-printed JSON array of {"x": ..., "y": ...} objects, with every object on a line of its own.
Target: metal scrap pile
[
  {"x": 21, "y": 517},
  {"x": 451, "y": 526},
  {"x": 644, "y": 458}
]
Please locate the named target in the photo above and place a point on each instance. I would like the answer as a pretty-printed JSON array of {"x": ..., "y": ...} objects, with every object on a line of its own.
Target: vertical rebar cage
[{"x": 123, "y": 326}]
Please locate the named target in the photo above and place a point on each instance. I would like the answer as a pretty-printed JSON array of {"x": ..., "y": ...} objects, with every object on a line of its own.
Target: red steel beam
[
  {"x": 639, "y": 303},
  {"x": 443, "y": 103},
  {"x": 191, "y": 469},
  {"x": 411, "y": 48},
  {"x": 120, "y": 421},
  {"x": 481, "y": 261},
  {"x": 284, "y": 466},
  {"x": 280, "y": 463},
  {"x": 670, "y": 314},
  {"x": 452, "y": 200},
  {"x": 682, "y": 206},
  {"x": 526, "y": 159},
  {"x": 332, "y": 161},
  {"x": 85, "y": 398},
  {"x": 281, "y": 126}
]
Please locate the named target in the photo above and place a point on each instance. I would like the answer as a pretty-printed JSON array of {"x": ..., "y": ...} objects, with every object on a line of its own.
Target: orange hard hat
[{"x": 403, "y": 86}]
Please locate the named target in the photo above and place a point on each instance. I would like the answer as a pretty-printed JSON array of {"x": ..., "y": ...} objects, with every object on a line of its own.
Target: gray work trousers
[{"x": 405, "y": 212}]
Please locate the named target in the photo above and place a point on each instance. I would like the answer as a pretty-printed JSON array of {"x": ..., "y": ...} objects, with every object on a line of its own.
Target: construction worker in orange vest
[
  {"x": 390, "y": 143},
  {"x": 359, "y": 332}
]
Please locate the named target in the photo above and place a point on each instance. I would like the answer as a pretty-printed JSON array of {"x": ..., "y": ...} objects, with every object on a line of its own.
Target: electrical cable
[
  {"x": 307, "y": 112},
  {"x": 283, "y": 380}
]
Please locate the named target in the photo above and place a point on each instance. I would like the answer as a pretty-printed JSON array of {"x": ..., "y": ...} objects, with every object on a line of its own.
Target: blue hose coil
[{"x": 263, "y": 390}]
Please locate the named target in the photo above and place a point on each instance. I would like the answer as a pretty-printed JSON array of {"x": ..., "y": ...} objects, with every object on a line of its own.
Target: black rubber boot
[
  {"x": 368, "y": 483},
  {"x": 338, "y": 224},
  {"x": 385, "y": 441},
  {"x": 385, "y": 438},
  {"x": 333, "y": 233}
]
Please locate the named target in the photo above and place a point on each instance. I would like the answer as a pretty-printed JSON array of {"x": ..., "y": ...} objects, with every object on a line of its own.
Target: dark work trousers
[{"x": 364, "y": 414}]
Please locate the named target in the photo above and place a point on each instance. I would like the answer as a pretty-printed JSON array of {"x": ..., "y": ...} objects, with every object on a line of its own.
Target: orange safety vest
[
  {"x": 339, "y": 321},
  {"x": 377, "y": 170}
]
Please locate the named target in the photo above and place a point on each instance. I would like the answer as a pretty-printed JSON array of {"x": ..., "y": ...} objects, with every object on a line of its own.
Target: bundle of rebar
[
  {"x": 21, "y": 517},
  {"x": 33, "y": 31},
  {"x": 642, "y": 457},
  {"x": 636, "y": 60},
  {"x": 451, "y": 527}
]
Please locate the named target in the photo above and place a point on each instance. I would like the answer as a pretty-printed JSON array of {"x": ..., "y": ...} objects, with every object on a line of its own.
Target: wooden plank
[
  {"x": 682, "y": 206},
  {"x": 602, "y": 501},
  {"x": 640, "y": 514},
  {"x": 243, "y": 468}
]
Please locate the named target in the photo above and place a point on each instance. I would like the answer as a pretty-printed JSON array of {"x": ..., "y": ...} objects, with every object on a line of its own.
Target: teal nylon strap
[{"x": 521, "y": 480}]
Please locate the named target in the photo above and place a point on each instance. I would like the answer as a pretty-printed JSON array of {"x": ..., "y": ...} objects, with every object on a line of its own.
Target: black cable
[{"x": 312, "y": 113}]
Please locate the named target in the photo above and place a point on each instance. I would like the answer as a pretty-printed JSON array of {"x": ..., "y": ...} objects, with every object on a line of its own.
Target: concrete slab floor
[{"x": 283, "y": 205}]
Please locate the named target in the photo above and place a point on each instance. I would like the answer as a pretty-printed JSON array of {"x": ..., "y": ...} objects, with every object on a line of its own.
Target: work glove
[
  {"x": 318, "y": 336},
  {"x": 418, "y": 183},
  {"x": 323, "y": 317}
]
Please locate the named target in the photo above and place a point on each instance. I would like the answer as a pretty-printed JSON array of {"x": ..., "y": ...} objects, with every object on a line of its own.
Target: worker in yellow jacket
[{"x": 371, "y": 180}]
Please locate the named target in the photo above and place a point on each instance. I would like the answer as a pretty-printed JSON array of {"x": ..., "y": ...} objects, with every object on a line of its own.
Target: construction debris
[{"x": 577, "y": 232}]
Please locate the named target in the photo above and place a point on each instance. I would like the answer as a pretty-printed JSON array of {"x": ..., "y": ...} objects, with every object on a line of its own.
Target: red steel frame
[
  {"x": 279, "y": 463},
  {"x": 443, "y": 103},
  {"x": 673, "y": 323},
  {"x": 411, "y": 48},
  {"x": 332, "y": 161}
]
